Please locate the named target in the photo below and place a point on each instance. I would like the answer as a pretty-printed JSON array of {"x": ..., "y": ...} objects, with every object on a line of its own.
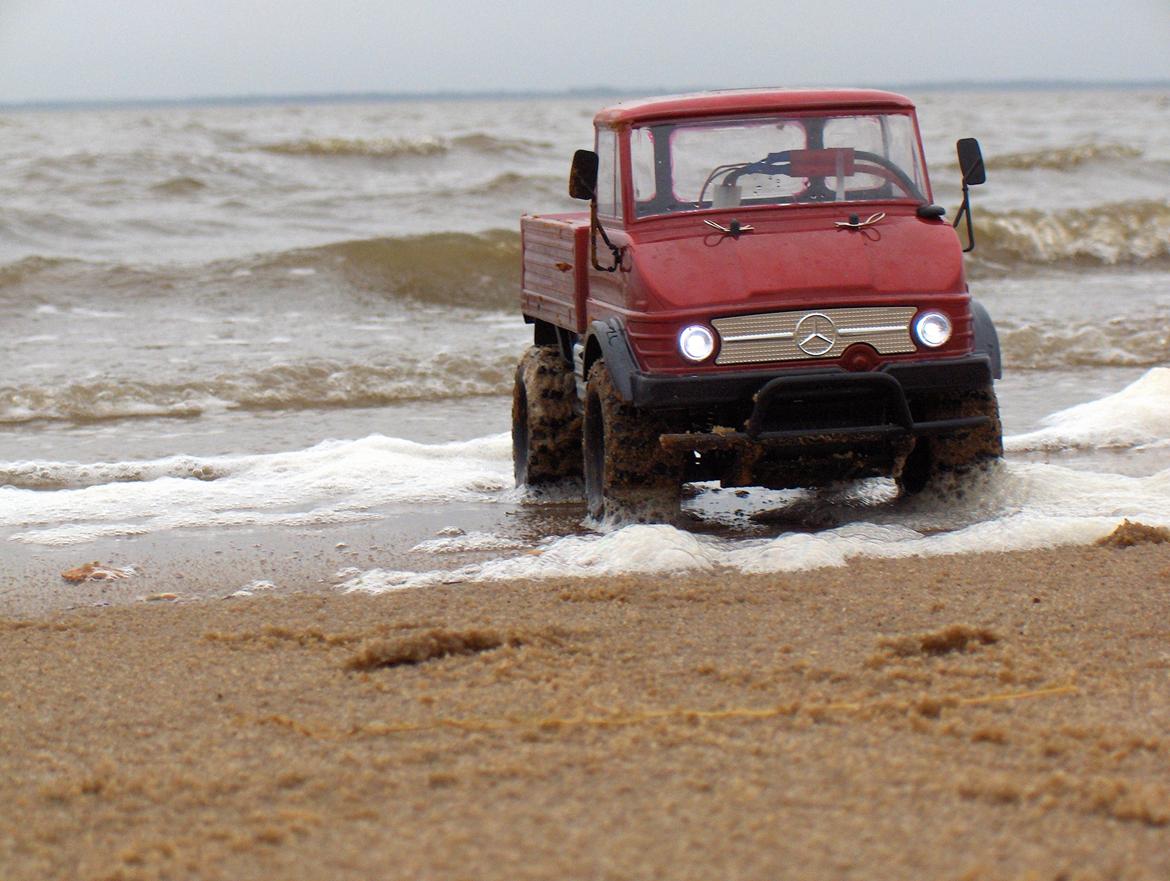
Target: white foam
[
  {"x": 1014, "y": 505},
  {"x": 1017, "y": 506},
  {"x": 469, "y": 542},
  {"x": 1137, "y": 415},
  {"x": 251, "y": 589},
  {"x": 333, "y": 482}
]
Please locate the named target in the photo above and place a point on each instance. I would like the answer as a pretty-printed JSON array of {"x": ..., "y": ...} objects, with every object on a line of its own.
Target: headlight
[
  {"x": 696, "y": 343},
  {"x": 933, "y": 329}
]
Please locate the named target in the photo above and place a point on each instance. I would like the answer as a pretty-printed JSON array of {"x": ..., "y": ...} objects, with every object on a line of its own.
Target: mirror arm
[
  {"x": 965, "y": 210},
  {"x": 595, "y": 228}
]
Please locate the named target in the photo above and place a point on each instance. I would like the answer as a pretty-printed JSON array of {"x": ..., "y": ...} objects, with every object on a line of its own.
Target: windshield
[{"x": 775, "y": 161}]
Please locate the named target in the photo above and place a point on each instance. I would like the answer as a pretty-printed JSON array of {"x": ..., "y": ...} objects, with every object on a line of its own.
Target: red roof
[{"x": 748, "y": 101}]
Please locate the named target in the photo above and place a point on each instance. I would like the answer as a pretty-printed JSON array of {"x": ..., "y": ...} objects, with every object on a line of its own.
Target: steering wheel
[
  {"x": 889, "y": 172},
  {"x": 779, "y": 163}
]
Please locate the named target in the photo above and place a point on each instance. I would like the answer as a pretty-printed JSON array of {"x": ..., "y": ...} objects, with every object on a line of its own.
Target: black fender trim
[
  {"x": 614, "y": 348},
  {"x": 986, "y": 338}
]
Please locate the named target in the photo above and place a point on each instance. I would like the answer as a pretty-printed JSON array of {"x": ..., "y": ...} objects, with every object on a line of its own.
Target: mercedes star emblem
[{"x": 816, "y": 334}]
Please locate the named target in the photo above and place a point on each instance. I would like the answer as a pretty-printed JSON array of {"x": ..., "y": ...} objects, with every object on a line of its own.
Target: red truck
[{"x": 762, "y": 293}]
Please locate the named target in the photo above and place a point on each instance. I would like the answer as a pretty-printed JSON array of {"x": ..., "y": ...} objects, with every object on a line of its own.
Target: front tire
[
  {"x": 546, "y": 427},
  {"x": 627, "y": 473},
  {"x": 936, "y": 458}
]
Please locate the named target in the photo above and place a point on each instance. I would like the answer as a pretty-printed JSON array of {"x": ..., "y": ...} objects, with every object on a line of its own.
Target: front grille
[{"x": 824, "y": 333}]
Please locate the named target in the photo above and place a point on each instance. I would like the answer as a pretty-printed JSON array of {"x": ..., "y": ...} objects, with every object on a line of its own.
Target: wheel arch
[{"x": 607, "y": 340}]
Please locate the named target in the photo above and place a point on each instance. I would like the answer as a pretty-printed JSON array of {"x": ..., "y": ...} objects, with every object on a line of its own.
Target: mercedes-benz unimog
[{"x": 763, "y": 293}]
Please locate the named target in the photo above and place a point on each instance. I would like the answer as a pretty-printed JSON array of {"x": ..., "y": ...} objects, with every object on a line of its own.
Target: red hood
[{"x": 683, "y": 263}]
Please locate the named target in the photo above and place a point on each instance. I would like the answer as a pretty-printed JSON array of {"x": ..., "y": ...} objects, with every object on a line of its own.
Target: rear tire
[
  {"x": 936, "y": 458},
  {"x": 546, "y": 427},
  {"x": 627, "y": 473}
]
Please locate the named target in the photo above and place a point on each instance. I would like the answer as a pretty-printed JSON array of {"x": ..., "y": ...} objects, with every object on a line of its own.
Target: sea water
[{"x": 221, "y": 321}]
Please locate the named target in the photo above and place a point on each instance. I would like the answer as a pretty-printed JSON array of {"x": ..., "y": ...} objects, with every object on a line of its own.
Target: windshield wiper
[{"x": 733, "y": 229}]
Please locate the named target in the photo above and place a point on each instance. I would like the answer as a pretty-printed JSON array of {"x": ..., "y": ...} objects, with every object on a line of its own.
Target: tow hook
[{"x": 855, "y": 222}]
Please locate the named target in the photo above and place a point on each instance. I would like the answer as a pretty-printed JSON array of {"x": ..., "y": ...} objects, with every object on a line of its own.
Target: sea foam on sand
[
  {"x": 334, "y": 482},
  {"x": 1015, "y": 506}
]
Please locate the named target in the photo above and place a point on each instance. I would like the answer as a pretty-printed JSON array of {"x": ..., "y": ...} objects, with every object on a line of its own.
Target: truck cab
[{"x": 762, "y": 293}]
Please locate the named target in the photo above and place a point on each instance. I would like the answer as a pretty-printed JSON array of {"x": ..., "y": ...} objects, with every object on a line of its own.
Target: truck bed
[{"x": 554, "y": 274}]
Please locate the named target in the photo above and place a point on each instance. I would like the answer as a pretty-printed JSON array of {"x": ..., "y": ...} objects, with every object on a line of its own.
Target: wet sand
[
  {"x": 986, "y": 717},
  {"x": 213, "y": 563}
]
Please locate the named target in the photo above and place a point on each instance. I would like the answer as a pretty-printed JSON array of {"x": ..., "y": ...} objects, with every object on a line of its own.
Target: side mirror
[
  {"x": 583, "y": 175},
  {"x": 971, "y": 162},
  {"x": 971, "y": 167}
]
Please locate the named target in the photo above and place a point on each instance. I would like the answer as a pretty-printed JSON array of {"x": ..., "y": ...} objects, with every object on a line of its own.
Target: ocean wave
[
  {"x": 76, "y": 475},
  {"x": 511, "y": 182},
  {"x": 1138, "y": 415},
  {"x": 482, "y": 142},
  {"x": 482, "y": 270},
  {"x": 476, "y": 271},
  {"x": 1127, "y": 233},
  {"x": 307, "y": 385},
  {"x": 1060, "y": 158},
  {"x": 405, "y": 148},
  {"x": 22, "y": 270},
  {"x": 451, "y": 269},
  {"x": 1014, "y": 505},
  {"x": 1120, "y": 342},
  {"x": 376, "y": 148},
  {"x": 183, "y": 185},
  {"x": 332, "y": 482}
]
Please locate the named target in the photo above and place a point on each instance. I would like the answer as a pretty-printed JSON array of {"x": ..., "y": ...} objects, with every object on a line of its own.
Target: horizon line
[{"x": 381, "y": 96}]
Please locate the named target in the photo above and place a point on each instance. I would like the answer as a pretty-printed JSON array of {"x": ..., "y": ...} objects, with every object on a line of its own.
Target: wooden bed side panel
[{"x": 554, "y": 278}]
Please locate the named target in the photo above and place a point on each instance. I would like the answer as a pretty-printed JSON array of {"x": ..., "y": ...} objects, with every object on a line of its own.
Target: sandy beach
[
  {"x": 994, "y": 716},
  {"x": 272, "y": 604}
]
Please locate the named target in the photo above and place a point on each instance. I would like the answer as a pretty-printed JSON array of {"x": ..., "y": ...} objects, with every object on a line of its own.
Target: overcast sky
[{"x": 117, "y": 49}]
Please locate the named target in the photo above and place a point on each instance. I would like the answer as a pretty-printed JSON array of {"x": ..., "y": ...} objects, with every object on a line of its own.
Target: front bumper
[
  {"x": 819, "y": 426},
  {"x": 712, "y": 390},
  {"x": 837, "y": 388}
]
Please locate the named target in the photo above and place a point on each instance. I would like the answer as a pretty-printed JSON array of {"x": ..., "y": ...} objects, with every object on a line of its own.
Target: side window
[
  {"x": 608, "y": 191},
  {"x": 642, "y": 162}
]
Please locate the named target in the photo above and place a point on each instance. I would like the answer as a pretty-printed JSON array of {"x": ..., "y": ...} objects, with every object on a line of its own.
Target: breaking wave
[
  {"x": 1138, "y": 415},
  {"x": 183, "y": 185},
  {"x": 477, "y": 271},
  {"x": 307, "y": 385},
  {"x": 404, "y": 148},
  {"x": 482, "y": 142},
  {"x": 1013, "y": 506},
  {"x": 1128, "y": 233},
  {"x": 332, "y": 482},
  {"x": 30, "y": 267},
  {"x": 75, "y": 475},
  {"x": 482, "y": 270},
  {"x": 1062, "y": 158},
  {"x": 457, "y": 269},
  {"x": 380, "y": 148},
  {"x": 1122, "y": 342},
  {"x": 513, "y": 183}
]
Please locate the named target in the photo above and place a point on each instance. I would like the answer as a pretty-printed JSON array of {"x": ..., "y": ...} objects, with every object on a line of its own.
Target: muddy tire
[
  {"x": 949, "y": 455},
  {"x": 546, "y": 427},
  {"x": 627, "y": 473}
]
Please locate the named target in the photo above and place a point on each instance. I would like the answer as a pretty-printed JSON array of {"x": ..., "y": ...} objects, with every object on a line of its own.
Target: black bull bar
[{"x": 773, "y": 396}]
